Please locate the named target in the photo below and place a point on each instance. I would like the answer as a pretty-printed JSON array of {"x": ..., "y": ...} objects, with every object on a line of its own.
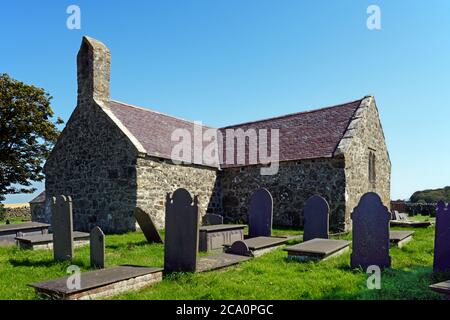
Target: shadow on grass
[
  {"x": 128, "y": 245},
  {"x": 399, "y": 284},
  {"x": 43, "y": 263}
]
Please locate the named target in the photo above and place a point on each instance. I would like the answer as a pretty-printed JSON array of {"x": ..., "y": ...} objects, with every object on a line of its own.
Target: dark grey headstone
[
  {"x": 7, "y": 222},
  {"x": 240, "y": 248},
  {"x": 212, "y": 219},
  {"x": 316, "y": 218},
  {"x": 260, "y": 214},
  {"x": 370, "y": 233},
  {"x": 97, "y": 247},
  {"x": 148, "y": 228},
  {"x": 442, "y": 239},
  {"x": 181, "y": 236},
  {"x": 62, "y": 225}
]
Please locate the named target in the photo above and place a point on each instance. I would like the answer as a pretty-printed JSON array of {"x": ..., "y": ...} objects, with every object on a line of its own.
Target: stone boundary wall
[
  {"x": 23, "y": 213},
  {"x": 414, "y": 208}
]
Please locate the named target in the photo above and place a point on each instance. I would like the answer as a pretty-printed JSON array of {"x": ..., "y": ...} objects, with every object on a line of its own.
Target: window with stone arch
[{"x": 372, "y": 171}]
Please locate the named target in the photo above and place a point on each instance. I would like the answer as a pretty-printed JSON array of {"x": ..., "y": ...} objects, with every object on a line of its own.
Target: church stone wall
[{"x": 294, "y": 183}]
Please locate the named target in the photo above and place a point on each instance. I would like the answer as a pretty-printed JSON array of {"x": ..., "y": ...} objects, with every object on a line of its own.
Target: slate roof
[
  {"x": 39, "y": 199},
  {"x": 153, "y": 129},
  {"x": 304, "y": 135}
]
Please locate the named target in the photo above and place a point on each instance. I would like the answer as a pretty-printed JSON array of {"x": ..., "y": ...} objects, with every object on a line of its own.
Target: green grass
[{"x": 271, "y": 276}]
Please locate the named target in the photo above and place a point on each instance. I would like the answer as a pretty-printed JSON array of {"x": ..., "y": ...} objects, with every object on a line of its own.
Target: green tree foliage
[
  {"x": 27, "y": 135},
  {"x": 2, "y": 212},
  {"x": 431, "y": 196}
]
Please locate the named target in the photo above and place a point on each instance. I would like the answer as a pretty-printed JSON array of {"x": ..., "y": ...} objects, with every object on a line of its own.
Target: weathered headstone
[
  {"x": 62, "y": 226},
  {"x": 260, "y": 214},
  {"x": 240, "y": 248},
  {"x": 148, "y": 228},
  {"x": 316, "y": 218},
  {"x": 212, "y": 219},
  {"x": 97, "y": 247},
  {"x": 370, "y": 233},
  {"x": 181, "y": 236},
  {"x": 442, "y": 239}
]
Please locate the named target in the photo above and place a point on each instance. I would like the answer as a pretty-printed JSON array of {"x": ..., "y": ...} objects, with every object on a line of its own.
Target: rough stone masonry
[{"x": 113, "y": 157}]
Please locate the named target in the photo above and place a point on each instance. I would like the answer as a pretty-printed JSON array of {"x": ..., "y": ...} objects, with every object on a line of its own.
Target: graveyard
[
  {"x": 407, "y": 274},
  {"x": 232, "y": 154}
]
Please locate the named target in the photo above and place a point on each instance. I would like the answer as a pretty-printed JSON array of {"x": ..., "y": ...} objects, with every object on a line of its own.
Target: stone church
[{"x": 112, "y": 157}]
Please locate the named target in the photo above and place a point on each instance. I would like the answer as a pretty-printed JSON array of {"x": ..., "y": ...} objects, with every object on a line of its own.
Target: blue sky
[{"x": 225, "y": 62}]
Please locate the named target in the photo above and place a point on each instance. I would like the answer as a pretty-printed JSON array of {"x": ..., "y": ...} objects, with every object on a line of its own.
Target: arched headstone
[
  {"x": 62, "y": 226},
  {"x": 97, "y": 248},
  {"x": 370, "y": 233},
  {"x": 316, "y": 218},
  {"x": 442, "y": 239},
  {"x": 260, "y": 214},
  {"x": 240, "y": 248},
  {"x": 181, "y": 236},
  {"x": 212, "y": 219}
]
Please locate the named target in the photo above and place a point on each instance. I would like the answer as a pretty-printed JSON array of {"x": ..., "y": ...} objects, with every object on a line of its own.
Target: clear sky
[{"x": 225, "y": 62}]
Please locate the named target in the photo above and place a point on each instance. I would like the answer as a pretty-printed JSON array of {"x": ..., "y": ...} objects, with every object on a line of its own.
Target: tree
[{"x": 27, "y": 135}]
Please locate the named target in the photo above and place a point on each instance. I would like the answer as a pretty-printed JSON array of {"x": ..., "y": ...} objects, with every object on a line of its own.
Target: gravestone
[
  {"x": 148, "y": 228},
  {"x": 370, "y": 233},
  {"x": 316, "y": 218},
  {"x": 181, "y": 236},
  {"x": 97, "y": 247},
  {"x": 212, "y": 219},
  {"x": 442, "y": 239},
  {"x": 260, "y": 214},
  {"x": 62, "y": 225}
]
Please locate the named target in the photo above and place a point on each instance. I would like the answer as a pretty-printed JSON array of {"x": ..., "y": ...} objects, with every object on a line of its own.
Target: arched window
[{"x": 372, "y": 172}]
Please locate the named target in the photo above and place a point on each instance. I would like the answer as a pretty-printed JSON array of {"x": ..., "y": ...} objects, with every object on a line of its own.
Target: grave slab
[
  {"x": 146, "y": 224},
  {"x": 410, "y": 224},
  {"x": 212, "y": 238},
  {"x": 442, "y": 287},
  {"x": 400, "y": 238},
  {"x": 317, "y": 249},
  {"x": 100, "y": 283},
  {"x": 219, "y": 261},
  {"x": 9, "y": 232},
  {"x": 256, "y": 246},
  {"x": 45, "y": 241}
]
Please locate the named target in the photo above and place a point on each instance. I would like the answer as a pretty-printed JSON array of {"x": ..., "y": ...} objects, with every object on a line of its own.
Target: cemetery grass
[{"x": 271, "y": 276}]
